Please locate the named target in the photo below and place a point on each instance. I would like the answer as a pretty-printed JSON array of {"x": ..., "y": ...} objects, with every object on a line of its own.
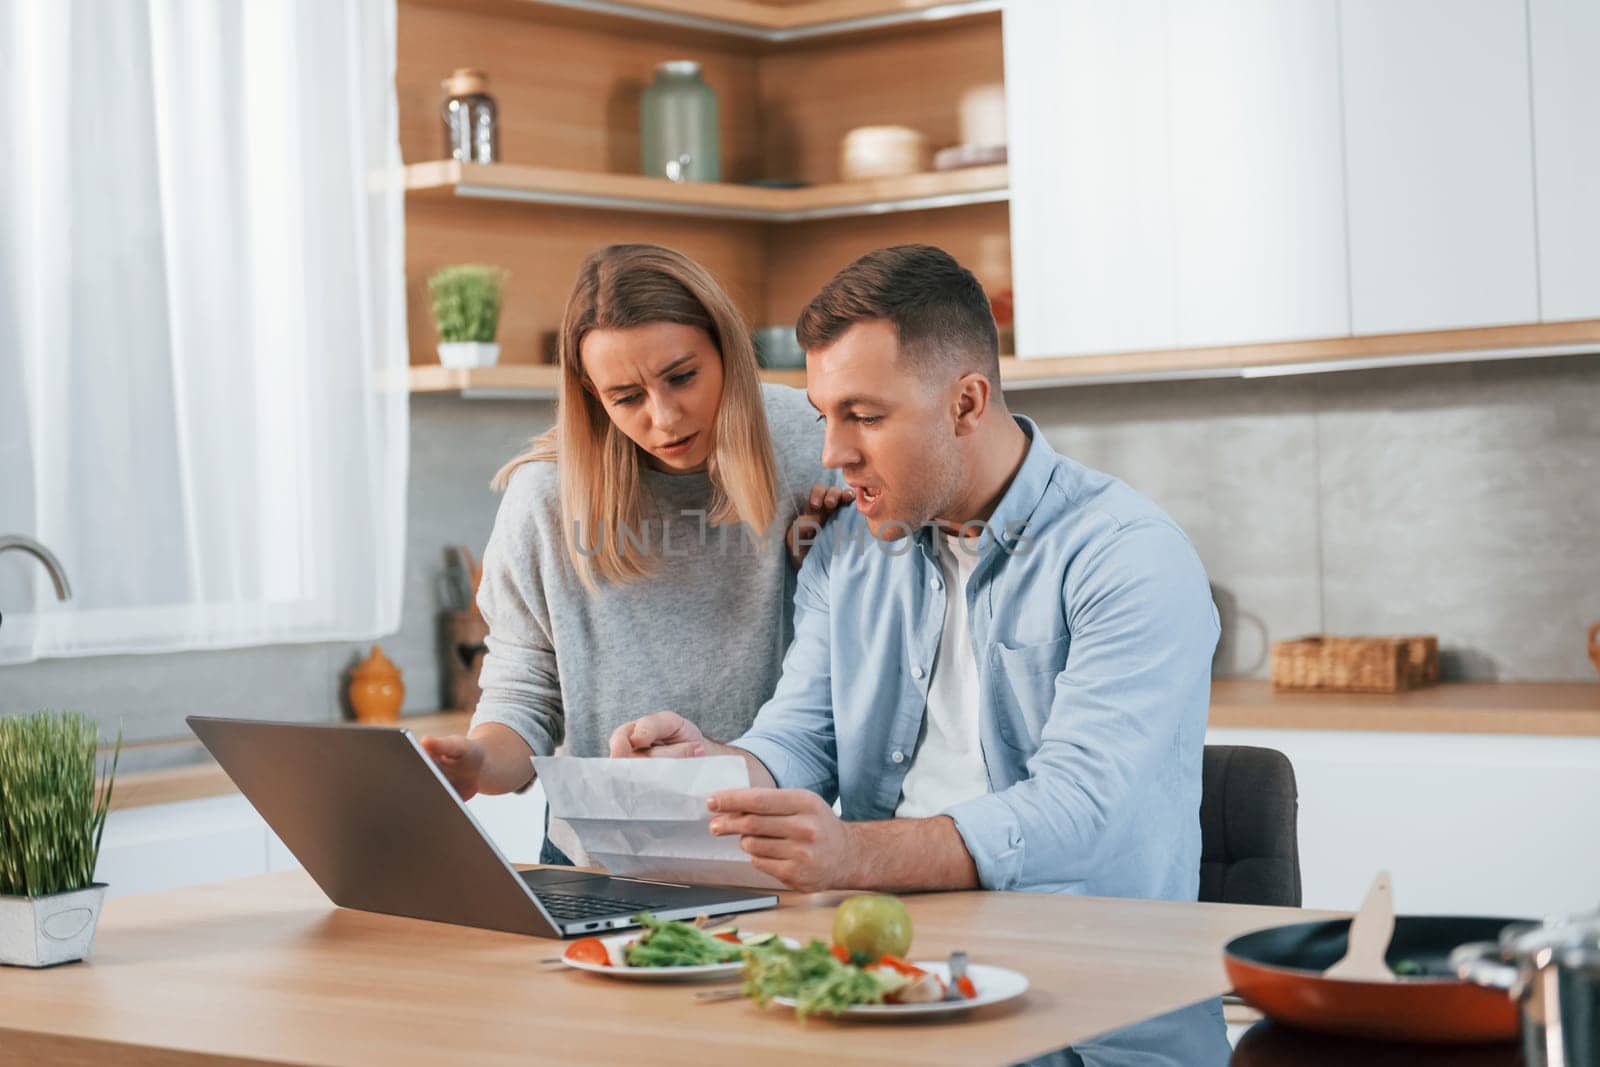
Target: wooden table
[{"x": 265, "y": 969}]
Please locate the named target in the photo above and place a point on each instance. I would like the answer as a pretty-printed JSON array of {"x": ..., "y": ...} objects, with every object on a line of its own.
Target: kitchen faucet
[{"x": 44, "y": 556}]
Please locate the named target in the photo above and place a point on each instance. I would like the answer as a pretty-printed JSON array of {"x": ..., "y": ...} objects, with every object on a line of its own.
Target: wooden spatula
[{"x": 1370, "y": 932}]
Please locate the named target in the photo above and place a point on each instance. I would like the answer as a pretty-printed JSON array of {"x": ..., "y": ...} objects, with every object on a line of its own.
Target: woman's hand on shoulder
[{"x": 820, "y": 506}]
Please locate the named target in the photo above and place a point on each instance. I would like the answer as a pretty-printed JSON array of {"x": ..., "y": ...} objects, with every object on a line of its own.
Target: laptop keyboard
[{"x": 568, "y": 906}]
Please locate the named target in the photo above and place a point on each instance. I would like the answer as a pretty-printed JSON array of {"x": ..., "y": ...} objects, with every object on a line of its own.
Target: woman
[{"x": 638, "y": 559}]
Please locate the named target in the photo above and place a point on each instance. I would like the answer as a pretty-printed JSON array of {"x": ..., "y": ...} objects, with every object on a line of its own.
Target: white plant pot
[
  {"x": 466, "y": 354},
  {"x": 45, "y": 931}
]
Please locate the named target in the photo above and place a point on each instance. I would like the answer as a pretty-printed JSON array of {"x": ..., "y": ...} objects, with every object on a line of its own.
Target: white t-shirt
[{"x": 948, "y": 766}]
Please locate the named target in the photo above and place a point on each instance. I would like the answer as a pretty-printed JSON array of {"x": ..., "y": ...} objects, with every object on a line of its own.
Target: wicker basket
[{"x": 1355, "y": 664}]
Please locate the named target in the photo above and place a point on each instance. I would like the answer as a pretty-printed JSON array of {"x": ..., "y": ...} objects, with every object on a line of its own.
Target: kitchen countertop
[
  {"x": 1551, "y": 709},
  {"x": 265, "y": 969},
  {"x": 1548, "y": 709},
  {"x": 204, "y": 778}
]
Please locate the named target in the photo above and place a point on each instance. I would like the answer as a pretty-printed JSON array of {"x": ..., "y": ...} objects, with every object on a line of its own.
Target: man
[{"x": 1001, "y": 661}]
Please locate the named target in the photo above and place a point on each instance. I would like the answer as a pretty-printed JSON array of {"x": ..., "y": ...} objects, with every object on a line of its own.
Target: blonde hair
[{"x": 598, "y": 465}]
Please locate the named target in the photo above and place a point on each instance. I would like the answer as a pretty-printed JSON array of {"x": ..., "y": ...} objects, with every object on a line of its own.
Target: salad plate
[
  {"x": 993, "y": 985},
  {"x": 618, "y": 969}
]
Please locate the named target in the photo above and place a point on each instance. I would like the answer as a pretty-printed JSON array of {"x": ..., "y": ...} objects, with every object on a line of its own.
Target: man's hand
[
  {"x": 820, "y": 506},
  {"x": 460, "y": 760},
  {"x": 791, "y": 834},
  {"x": 666, "y": 733}
]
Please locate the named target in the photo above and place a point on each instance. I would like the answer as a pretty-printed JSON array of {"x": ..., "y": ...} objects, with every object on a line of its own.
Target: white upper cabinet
[
  {"x": 1091, "y": 208},
  {"x": 1438, "y": 163},
  {"x": 1189, "y": 174},
  {"x": 1566, "y": 140},
  {"x": 1257, "y": 171}
]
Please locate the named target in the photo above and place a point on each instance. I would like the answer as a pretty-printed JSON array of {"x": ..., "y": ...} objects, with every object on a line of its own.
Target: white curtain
[{"x": 202, "y": 325}]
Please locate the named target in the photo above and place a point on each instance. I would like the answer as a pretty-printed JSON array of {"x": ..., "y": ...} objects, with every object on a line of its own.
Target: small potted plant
[
  {"x": 52, "y": 815},
  {"x": 466, "y": 308}
]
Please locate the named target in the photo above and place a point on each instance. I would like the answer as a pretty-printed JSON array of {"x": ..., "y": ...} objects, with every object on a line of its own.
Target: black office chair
[{"x": 1249, "y": 843}]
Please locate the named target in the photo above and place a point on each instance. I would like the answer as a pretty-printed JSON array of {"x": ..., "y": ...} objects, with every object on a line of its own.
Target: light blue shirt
[{"x": 1092, "y": 624}]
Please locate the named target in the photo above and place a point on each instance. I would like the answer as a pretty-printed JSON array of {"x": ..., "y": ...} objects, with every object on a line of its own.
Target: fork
[
  {"x": 958, "y": 971},
  {"x": 712, "y": 996}
]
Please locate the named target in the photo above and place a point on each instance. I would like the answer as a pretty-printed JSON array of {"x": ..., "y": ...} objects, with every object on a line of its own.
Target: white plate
[
  {"x": 993, "y": 985},
  {"x": 615, "y": 943}
]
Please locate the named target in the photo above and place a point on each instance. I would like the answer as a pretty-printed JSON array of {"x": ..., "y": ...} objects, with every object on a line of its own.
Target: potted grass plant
[
  {"x": 466, "y": 308},
  {"x": 52, "y": 815}
]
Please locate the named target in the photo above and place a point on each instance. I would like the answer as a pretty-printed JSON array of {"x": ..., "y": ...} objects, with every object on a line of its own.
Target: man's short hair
[{"x": 937, "y": 307}]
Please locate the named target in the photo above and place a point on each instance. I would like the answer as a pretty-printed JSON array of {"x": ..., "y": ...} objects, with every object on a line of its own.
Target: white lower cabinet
[
  {"x": 169, "y": 846},
  {"x": 1467, "y": 824},
  {"x": 1489, "y": 825}
]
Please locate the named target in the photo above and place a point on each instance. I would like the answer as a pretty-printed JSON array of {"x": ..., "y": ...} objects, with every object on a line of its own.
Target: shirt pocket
[{"x": 1024, "y": 683}]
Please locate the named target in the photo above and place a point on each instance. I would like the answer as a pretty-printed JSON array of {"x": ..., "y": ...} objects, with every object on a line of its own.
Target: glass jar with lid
[
  {"x": 471, "y": 122},
  {"x": 678, "y": 125}
]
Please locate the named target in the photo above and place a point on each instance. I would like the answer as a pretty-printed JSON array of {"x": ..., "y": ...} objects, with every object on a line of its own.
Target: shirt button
[
  {"x": 933, "y": 583},
  {"x": 917, "y": 672},
  {"x": 898, "y": 757}
]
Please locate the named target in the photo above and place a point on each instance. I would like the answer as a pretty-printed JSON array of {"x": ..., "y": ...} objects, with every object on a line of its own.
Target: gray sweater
[{"x": 704, "y": 636}]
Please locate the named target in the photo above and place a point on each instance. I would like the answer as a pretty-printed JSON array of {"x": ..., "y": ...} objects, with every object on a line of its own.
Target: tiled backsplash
[{"x": 1462, "y": 500}]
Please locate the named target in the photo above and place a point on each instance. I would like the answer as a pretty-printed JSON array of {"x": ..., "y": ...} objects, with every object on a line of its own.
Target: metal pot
[{"x": 1552, "y": 972}]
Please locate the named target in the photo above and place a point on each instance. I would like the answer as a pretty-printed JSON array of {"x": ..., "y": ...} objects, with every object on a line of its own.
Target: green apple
[{"x": 873, "y": 926}]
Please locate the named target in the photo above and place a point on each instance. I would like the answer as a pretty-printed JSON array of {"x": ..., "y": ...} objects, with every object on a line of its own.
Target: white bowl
[{"x": 882, "y": 152}]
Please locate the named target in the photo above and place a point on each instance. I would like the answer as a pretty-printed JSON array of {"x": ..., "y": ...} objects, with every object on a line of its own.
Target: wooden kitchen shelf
[
  {"x": 749, "y": 19},
  {"x": 1549, "y": 709},
  {"x": 1296, "y": 357},
  {"x": 568, "y": 78},
  {"x": 712, "y": 200},
  {"x": 206, "y": 779},
  {"x": 1314, "y": 356},
  {"x": 527, "y": 381}
]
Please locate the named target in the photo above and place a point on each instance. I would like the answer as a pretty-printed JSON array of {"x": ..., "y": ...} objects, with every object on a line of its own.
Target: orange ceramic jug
[{"x": 376, "y": 689}]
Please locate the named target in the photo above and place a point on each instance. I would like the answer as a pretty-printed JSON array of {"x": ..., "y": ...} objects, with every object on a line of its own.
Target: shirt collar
[{"x": 1006, "y": 525}]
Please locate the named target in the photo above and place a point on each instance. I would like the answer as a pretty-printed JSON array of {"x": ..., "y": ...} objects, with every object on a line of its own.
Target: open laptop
[{"x": 377, "y": 825}]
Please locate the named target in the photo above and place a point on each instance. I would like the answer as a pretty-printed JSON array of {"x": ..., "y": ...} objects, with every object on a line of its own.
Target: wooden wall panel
[
  {"x": 568, "y": 95},
  {"x": 811, "y": 95},
  {"x": 802, "y": 256},
  {"x": 542, "y": 247}
]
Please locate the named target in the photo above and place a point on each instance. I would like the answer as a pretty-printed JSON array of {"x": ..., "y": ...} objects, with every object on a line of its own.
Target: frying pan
[{"x": 1279, "y": 970}]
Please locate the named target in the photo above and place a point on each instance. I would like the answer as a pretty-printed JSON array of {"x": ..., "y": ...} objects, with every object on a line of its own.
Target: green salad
[
  {"x": 669, "y": 943},
  {"x": 815, "y": 978}
]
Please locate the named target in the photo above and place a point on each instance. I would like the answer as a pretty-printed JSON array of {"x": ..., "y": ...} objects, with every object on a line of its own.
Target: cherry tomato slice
[
  {"x": 588, "y": 950},
  {"x": 731, "y": 938},
  {"x": 841, "y": 953},
  {"x": 967, "y": 989},
  {"x": 895, "y": 963}
]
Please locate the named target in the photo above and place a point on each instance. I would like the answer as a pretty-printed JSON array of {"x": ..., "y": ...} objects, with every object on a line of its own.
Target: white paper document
[{"x": 647, "y": 818}]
